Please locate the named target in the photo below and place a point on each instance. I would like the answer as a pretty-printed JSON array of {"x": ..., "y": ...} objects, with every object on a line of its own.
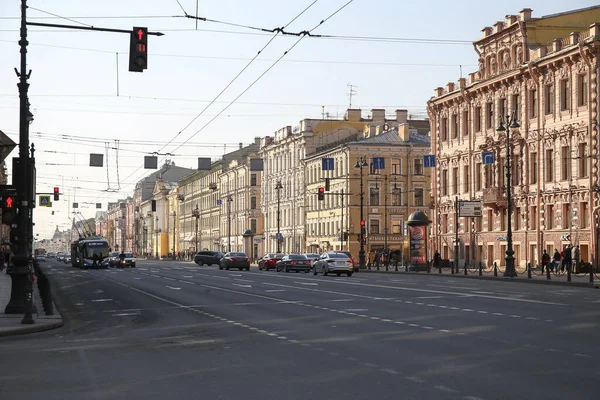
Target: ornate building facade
[{"x": 544, "y": 72}]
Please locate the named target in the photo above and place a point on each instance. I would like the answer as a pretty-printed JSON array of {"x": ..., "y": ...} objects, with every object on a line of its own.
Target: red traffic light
[
  {"x": 9, "y": 202},
  {"x": 56, "y": 194},
  {"x": 55, "y": 190},
  {"x": 321, "y": 190},
  {"x": 362, "y": 224}
]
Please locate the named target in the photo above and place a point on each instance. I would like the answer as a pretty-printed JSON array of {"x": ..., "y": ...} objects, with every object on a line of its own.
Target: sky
[{"x": 85, "y": 100}]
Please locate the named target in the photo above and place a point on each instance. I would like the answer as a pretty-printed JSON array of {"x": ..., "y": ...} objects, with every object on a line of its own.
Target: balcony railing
[{"x": 494, "y": 197}]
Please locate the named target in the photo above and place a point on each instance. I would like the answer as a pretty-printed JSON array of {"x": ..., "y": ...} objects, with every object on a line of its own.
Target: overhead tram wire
[
  {"x": 228, "y": 85},
  {"x": 59, "y": 16},
  {"x": 264, "y": 73}
]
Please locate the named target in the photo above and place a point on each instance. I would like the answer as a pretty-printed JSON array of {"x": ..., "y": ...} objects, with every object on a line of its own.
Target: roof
[
  {"x": 392, "y": 138},
  {"x": 168, "y": 173}
]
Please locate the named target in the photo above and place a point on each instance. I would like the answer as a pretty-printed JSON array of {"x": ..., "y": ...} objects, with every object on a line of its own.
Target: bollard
[
  {"x": 452, "y": 267},
  {"x": 480, "y": 268},
  {"x": 591, "y": 273},
  {"x": 547, "y": 272},
  {"x": 387, "y": 265},
  {"x": 406, "y": 266},
  {"x": 440, "y": 268},
  {"x": 465, "y": 268},
  {"x": 495, "y": 269},
  {"x": 396, "y": 265},
  {"x": 569, "y": 273},
  {"x": 28, "y": 317},
  {"x": 377, "y": 266},
  {"x": 528, "y": 270}
]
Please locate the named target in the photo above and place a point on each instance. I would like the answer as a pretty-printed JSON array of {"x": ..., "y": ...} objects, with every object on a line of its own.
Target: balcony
[{"x": 494, "y": 197}]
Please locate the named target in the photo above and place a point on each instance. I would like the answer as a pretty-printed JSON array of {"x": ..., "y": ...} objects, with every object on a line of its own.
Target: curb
[
  {"x": 34, "y": 328},
  {"x": 596, "y": 284}
]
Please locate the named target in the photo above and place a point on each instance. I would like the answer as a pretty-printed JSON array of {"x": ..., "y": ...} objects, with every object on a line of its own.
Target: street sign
[
  {"x": 487, "y": 157},
  {"x": 219, "y": 202},
  {"x": 278, "y": 236},
  {"x": 469, "y": 208},
  {"x": 45, "y": 201},
  {"x": 327, "y": 164},
  {"x": 378, "y": 163},
  {"x": 429, "y": 161}
]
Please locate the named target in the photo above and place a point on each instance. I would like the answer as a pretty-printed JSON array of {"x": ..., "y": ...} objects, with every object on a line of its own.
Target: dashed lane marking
[
  {"x": 444, "y": 389},
  {"x": 101, "y": 300},
  {"x": 174, "y": 288}
]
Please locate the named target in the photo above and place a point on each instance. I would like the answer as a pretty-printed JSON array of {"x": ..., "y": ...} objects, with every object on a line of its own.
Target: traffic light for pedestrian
[
  {"x": 321, "y": 195},
  {"x": 9, "y": 208},
  {"x": 363, "y": 224},
  {"x": 56, "y": 194},
  {"x": 327, "y": 185},
  {"x": 138, "y": 50},
  {"x": 153, "y": 205}
]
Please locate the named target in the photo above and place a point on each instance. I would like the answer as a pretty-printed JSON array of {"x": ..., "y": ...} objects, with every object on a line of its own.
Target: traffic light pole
[{"x": 21, "y": 296}]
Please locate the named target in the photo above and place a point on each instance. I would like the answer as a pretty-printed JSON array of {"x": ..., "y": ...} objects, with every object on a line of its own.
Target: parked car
[
  {"x": 334, "y": 262},
  {"x": 208, "y": 257},
  {"x": 51, "y": 255},
  {"x": 113, "y": 259},
  {"x": 235, "y": 259},
  {"x": 269, "y": 261},
  {"x": 40, "y": 258},
  {"x": 312, "y": 257},
  {"x": 355, "y": 261},
  {"x": 127, "y": 261},
  {"x": 293, "y": 262}
]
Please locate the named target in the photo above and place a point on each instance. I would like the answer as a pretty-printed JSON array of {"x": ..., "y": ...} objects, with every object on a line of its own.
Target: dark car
[
  {"x": 126, "y": 260},
  {"x": 235, "y": 259},
  {"x": 293, "y": 262},
  {"x": 208, "y": 257},
  {"x": 312, "y": 257},
  {"x": 269, "y": 261}
]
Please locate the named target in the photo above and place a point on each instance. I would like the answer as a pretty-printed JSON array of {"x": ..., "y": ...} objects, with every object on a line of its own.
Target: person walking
[
  {"x": 545, "y": 260},
  {"x": 377, "y": 258},
  {"x": 371, "y": 258},
  {"x": 436, "y": 260},
  {"x": 568, "y": 260},
  {"x": 556, "y": 263}
]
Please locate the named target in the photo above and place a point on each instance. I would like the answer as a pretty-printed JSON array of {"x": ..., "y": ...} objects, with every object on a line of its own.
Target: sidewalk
[
  {"x": 536, "y": 276},
  {"x": 10, "y": 324}
]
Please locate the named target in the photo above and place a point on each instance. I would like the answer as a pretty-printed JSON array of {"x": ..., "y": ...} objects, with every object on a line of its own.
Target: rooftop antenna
[
  {"x": 322, "y": 112},
  {"x": 351, "y": 92}
]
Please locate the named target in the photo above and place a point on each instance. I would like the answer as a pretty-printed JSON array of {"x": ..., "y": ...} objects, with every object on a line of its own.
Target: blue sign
[
  {"x": 278, "y": 235},
  {"x": 327, "y": 164},
  {"x": 429, "y": 161},
  {"x": 378, "y": 163},
  {"x": 219, "y": 202},
  {"x": 487, "y": 157}
]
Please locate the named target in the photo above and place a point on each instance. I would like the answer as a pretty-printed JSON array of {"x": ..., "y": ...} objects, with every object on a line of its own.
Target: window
[
  {"x": 516, "y": 170},
  {"x": 582, "y": 160},
  {"x": 533, "y": 218},
  {"x": 455, "y": 180},
  {"x": 444, "y": 223},
  {"x": 533, "y": 103},
  {"x": 465, "y": 123},
  {"x": 253, "y": 180},
  {"x": 516, "y": 104},
  {"x": 502, "y": 175},
  {"x": 584, "y": 215},
  {"x": 477, "y": 177},
  {"x": 566, "y": 216},
  {"x": 548, "y": 99},
  {"x": 418, "y": 166},
  {"x": 503, "y": 110},
  {"x": 488, "y": 176},
  {"x": 478, "y": 224},
  {"x": 565, "y": 95},
  {"x": 582, "y": 90},
  {"x": 374, "y": 196},
  {"x": 549, "y": 165},
  {"x": 489, "y": 113},
  {"x": 533, "y": 169},
  {"x": 503, "y": 219},
  {"x": 253, "y": 225},
  {"x": 477, "y": 119},
  {"x": 565, "y": 164},
  {"x": 374, "y": 226},
  {"x": 466, "y": 179},
  {"x": 454, "y": 126},
  {"x": 445, "y": 182},
  {"x": 396, "y": 224},
  {"x": 396, "y": 166},
  {"x": 419, "y": 197},
  {"x": 550, "y": 217},
  {"x": 444, "y": 129},
  {"x": 396, "y": 196},
  {"x": 372, "y": 169},
  {"x": 490, "y": 220}
]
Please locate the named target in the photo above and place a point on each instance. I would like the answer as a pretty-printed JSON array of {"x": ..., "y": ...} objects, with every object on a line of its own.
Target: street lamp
[
  {"x": 361, "y": 162},
  {"x": 174, "y": 214},
  {"x": 157, "y": 231},
  {"x": 229, "y": 200},
  {"x": 278, "y": 187},
  {"x": 506, "y": 124},
  {"x": 196, "y": 214}
]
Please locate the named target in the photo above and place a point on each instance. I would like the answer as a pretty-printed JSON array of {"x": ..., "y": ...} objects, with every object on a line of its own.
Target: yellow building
[{"x": 391, "y": 193}]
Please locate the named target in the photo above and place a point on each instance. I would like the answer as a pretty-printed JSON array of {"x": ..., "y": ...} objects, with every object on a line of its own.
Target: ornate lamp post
[
  {"x": 196, "y": 214},
  {"x": 229, "y": 200},
  {"x": 278, "y": 187},
  {"x": 506, "y": 124},
  {"x": 361, "y": 162},
  {"x": 174, "y": 214}
]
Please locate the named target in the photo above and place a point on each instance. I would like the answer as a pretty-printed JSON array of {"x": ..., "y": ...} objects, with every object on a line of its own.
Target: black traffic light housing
[
  {"x": 56, "y": 194},
  {"x": 153, "y": 205},
  {"x": 138, "y": 50},
  {"x": 327, "y": 184},
  {"x": 321, "y": 195},
  {"x": 8, "y": 204}
]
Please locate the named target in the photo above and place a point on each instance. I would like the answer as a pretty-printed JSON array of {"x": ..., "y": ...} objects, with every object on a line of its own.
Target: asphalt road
[{"x": 175, "y": 330}]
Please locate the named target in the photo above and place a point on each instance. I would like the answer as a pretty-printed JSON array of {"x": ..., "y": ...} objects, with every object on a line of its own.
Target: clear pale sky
[{"x": 73, "y": 88}]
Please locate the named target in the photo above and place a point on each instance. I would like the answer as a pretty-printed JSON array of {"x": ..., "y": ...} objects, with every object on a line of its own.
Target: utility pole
[
  {"x": 229, "y": 200},
  {"x": 351, "y": 92},
  {"x": 456, "y": 226},
  {"x": 278, "y": 187},
  {"x": 174, "y": 250},
  {"x": 361, "y": 162},
  {"x": 342, "y": 230}
]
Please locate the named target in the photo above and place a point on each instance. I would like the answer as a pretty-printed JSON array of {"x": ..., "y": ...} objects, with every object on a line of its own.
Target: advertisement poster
[{"x": 417, "y": 245}]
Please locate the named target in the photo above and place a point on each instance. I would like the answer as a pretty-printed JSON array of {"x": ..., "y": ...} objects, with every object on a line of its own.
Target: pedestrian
[
  {"x": 2, "y": 263},
  {"x": 568, "y": 260},
  {"x": 545, "y": 260},
  {"x": 371, "y": 258},
  {"x": 576, "y": 257},
  {"x": 377, "y": 258},
  {"x": 436, "y": 260},
  {"x": 557, "y": 259}
]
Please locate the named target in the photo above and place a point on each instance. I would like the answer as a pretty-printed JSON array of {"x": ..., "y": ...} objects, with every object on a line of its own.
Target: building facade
[{"x": 544, "y": 73}]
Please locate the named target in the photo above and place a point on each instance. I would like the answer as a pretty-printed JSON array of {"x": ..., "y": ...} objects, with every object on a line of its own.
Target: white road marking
[
  {"x": 274, "y": 290},
  {"x": 237, "y": 284},
  {"x": 389, "y": 371},
  {"x": 174, "y": 288},
  {"x": 98, "y": 291},
  {"x": 243, "y": 280},
  {"x": 135, "y": 277},
  {"x": 125, "y": 314},
  {"x": 340, "y": 300},
  {"x": 156, "y": 276},
  {"x": 308, "y": 283},
  {"x": 100, "y": 300},
  {"x": 444, "y": 389},
  {"x": 414, "y": 379},
  {"x": 188, "y": 282},
  {"x": 170, "y": 279},
  {"x": 187, "y": 276}
]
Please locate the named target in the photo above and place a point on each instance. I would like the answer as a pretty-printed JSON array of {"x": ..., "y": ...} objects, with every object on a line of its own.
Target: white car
[{"x": 334, "y": 262}]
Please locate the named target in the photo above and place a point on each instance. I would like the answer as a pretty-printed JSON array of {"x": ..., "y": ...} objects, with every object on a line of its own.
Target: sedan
[
  {"x": 312, "y": 257},
  {"x": 235, "y": 259},
  {"x": 334, "y": 262},
  {"x": 269, "y": 261},
  {"x": 127, "y": 261},
  {"x": 113, "y": 259},
  {"x": 293, "y": 262},
  {"x": 208, "y": 257}
]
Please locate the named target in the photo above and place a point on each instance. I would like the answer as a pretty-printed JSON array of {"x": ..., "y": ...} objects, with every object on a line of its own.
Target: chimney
[
  {"x": 288, "y": 130},
  {"x": 439, "y": 91},
  {"x": 511, "y": 19},
  {"x": 574, "y": 38},
  {"x": 378, "y": 115},
  {"x": 257, "y": 140},
  {"x": 450, "y": 87},
  {"x": 353, "y": 114},
  {"x": 241, "y": 145},
  {"x": 498, "y": 26},
  {"x": 525, "y": 14},
  {"x": 595, "y": 30},
  {"x": 487, "y": 31},
  {"x": 472, "y": 77},
  {"x": 557, "y": 44},
  {"x": 401, "y": 116},
  {"x": 462, "y": 83},
  {"x": 404, "y": 132}
]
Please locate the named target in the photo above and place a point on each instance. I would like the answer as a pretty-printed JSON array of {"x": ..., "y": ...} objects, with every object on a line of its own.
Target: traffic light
[
  {"x": 321, "y": 195},
  {"x": 327, "y": 184},
  {"x": 138, "y": 50},
  {"x": 153, "y": 205},
  {"x": 9, "y": 208},
  {"x": 363, "y": 224},
  {"x": 56, "y": 194}
]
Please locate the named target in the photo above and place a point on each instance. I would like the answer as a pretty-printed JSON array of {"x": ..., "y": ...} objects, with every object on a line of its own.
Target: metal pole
[
  {"x": 229, "y": 223},
  {"x": 361, "y": 253},
  {"x": 510, "y": 260},
  {"x": 278, "y": 188},
  {"x": 385, "y": 221},
  {"x": 342, "y": 230},
  {"x": 174, "y": 250},
  {"x": 456, "y": 226}
]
